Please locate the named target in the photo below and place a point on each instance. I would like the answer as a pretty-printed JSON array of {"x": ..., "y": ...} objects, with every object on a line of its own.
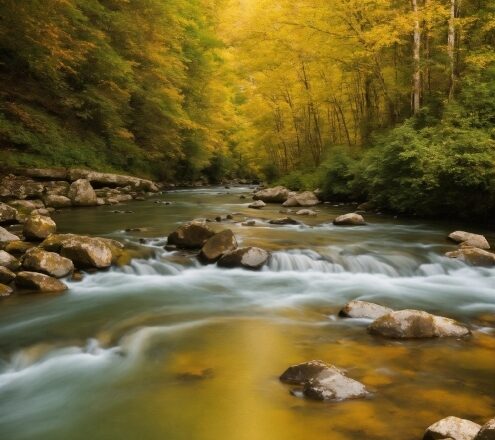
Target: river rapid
[{"x": 165, "y": 348}]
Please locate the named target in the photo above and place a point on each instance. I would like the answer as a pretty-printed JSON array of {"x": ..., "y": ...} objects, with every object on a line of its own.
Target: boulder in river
[
  {"x": 9, "y": 261},
  {"x": 192, "y": 235},
  {"x": 351, "y": 219},
  {"x": 81, "y": 193},
  {"x": 39, "y": 282},
  {"x": 27, "y": 206},
  {"x": 217, "y": 246},
  {"x": 473, "y": 256},
  {"x": 8, "y": 214},
  {"x": 6, "y": 236},
  {"x": 87, "y": 252},
  {"x": 411, "y": 324},
  {"x": 277, "y": 194},
  {"x": 5, "y": 290},
  {"x": 363, "y": 309},
  {"x": 469, "y": 239},
  {"x": 49, "y": 263},
  {"x": 38, "y": 227},
  {"x": 18, "y": 247},
  {"x": 6, "y": 275},
  {"x": 258, "y": 204},
  {"x": 284, "y": 221},
  {"x": 56, "y": 201},
  {"x": 306, "y": 198},
  {"x": 322, "y": 381},
  {"x": 487, "y": 431},
  {"x": 252, "y": 258},
  {"x": 308, "y": 212},
  {"x": 452, "y": 428}
]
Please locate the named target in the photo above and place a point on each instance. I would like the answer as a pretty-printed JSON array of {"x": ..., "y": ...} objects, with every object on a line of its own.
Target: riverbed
[{"x": 165, "y": 348}]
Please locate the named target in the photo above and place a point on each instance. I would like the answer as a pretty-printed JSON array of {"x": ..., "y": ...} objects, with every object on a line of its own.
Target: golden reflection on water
[{"x": 221, "y": 382}]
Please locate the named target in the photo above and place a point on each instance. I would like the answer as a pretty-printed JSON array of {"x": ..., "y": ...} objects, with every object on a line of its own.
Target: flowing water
[{"x": 167, "y": 349}]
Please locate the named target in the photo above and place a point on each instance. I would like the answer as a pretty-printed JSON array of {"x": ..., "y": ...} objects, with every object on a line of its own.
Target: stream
[{"x": 165, "y": 348}]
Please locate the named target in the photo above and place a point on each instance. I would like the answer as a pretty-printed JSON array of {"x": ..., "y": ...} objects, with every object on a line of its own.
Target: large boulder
[
  {"x": 18, "y": 187},
  {"x": 5, "y": 290},
  {"x": 192, "y": 235},
  {"x": 9, "y": 261},
  {"x": 44, "y": 173},
  {"x": 49, "y": 263},
  {"x": 87, "y": 252},
  {"x": 57, "y": 188},
  {"x": 109, "y": 179},
  {"x": 363, "y": 309},
  {"x": 39, "y": 282},
  {"x": 258, "y": 204},
  {"x": 38, "y": 227},
  {"x": 18, "y": 247},
  {"x": 469, "y": 239},
  {"x": 6, "y": 236},
  {"x": 408, "y": 324},
  {"x": 351, "y": 219},
  {"x": 473, "y": 256},
  {"x": 487, "y": 431},
  {"x": 6, "y": 275},
  {"x": 284, "y": 221},
  {"x": 81, "y": 193},
  {"x": 26, "y": 206},
  {"x": 56, "y": 201},
  {"x": 322, "y": 381},
  {"x": 252, "y": 258},
  {"x": 277, "y": 194},
  {"x": 306, "y": 198},
  {"x": 8, "y": 214},
  {"x": 217, "y": 246},
  {"x": 452, "y": 428}
]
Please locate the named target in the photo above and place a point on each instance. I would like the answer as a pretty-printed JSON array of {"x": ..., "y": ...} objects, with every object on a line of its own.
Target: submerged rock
[
  {"x": 257, "y": 205},
  {"x": 473, "y": 256},
  {"x": 9, "y": 261},
  {"x": 308, "y": 212},
  {"x": 39, "y": 282},
  {"x": 322, "y": 381},
  {"x": 363, "y": 309},
  {"x": 7, "y": 214},
  {"x": 284, "y": 221},
  {"x": 49, "y": 263},
  {"x": 469, "y": 239},
  {"x": 487, "y": 431},
  {"x": 6, "y": 236},
  {"x": 409, "y": 324},
  {"x": 192, "y": 235},
  {"x": 351, "y": 219},
  {"x": 252, "y": 258},
  {"x": 81, "y": 193},
  {"x": 217, "y": 246},
  {"x": 6, "y": 275},
  {"x": 5, "y": 290},
  {"x": 277, "y": 194},
  {"x": 38, "y": 227},
  {"x": 452, "y": 428}
]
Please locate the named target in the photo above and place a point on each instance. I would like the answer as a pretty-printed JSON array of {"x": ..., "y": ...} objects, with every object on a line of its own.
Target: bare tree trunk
[
  {"x": 416, "y": 92},
  {"x": 451, "y": 48}
]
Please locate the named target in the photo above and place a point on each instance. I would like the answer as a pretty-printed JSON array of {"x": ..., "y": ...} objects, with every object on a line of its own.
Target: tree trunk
[
  {"x": 451, "y": 48},
  {"x": 416, "y": 92}
]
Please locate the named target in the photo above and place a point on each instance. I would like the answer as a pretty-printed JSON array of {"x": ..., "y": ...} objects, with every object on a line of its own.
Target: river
[{"x": 165, "y": 348}]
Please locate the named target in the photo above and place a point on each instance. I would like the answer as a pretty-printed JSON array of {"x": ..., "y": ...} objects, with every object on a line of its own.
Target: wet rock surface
[
  {"x": 49, "y": 263},
  {"x": 38, "y": 282},
  {"x": 192, "y": 235},
  {"x": 38, "y": 227},
  {"x": 277, "y": 194},
  {"x": 452, "y": 427},
  {"x": 469, "y": 239},
  {"x": 217, "y": 246},
  {"x": 473, "y": 256},
  {"x": 351, "y": 219},
  {"x": 252, "y": 258},
  {"x": 412, "y": 324},
  {"x": 363, "y": 309}
]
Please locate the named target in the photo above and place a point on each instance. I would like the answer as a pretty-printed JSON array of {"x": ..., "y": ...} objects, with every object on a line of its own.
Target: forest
[{"x": 391, "y": 102}]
